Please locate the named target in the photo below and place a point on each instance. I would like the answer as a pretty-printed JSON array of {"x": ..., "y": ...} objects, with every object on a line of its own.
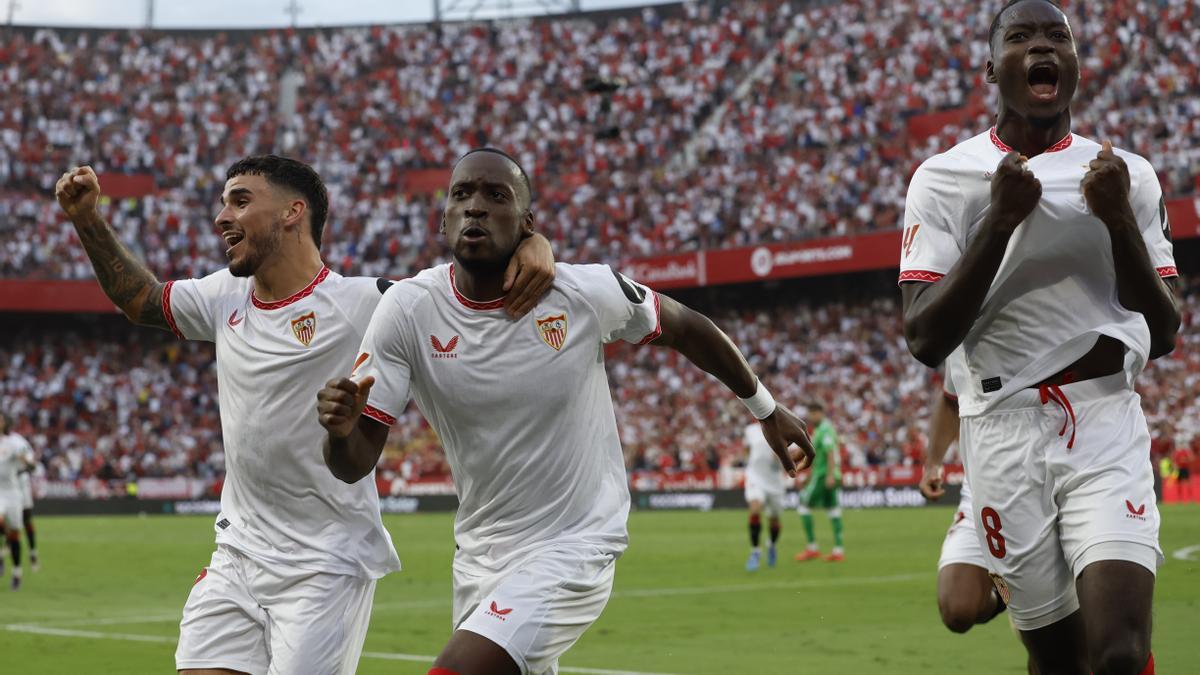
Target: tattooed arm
[{"x": 124, "y": 278}]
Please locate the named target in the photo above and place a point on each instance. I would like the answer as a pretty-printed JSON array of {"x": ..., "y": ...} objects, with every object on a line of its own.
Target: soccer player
[
  {"x": 965, "y": 593},
  {"x": 15, "y": 456},
  {"x": 25, "y": 475},
  {"x": 290, "y": 586},
  {"x": 524, "y": 411},
  {"x": 1035, "y": 259},
  {"x": 766, "y": 483},
  {"x": 824, "y": 486}
]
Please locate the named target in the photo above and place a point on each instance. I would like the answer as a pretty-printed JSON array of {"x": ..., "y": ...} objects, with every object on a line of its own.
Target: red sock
[
  {"x": 442, "y": 671},
  {"x": 1149, "y": 669}
]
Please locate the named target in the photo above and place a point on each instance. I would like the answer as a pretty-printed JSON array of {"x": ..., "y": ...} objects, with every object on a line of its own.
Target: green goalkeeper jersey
[{"x": 825, "y": 443}]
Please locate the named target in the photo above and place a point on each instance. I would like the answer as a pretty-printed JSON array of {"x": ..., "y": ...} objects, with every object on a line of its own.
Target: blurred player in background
[
  {"x": 525, "y": 414},
  {"x": 1035, "y": 259},
  {"x": 26, "y": 476},
  {"x": 824, "y": 487},
  {"x": 766, "y": 485},
  {"x": 16, "y": 456},
  {"x": 290, "y": 586}
]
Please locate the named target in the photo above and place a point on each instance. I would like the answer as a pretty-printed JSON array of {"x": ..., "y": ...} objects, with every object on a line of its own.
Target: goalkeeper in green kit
[{"x": 824, "y": 486}]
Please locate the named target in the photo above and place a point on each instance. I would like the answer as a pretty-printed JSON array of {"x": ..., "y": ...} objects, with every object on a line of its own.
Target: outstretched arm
[
  {"x": 710, "y": 349},
  {"x": 124, "y": 279}
]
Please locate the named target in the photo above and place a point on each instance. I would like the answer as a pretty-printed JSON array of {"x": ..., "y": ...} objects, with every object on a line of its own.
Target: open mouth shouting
[
  {"x": 232, "y": 239},
  {"x": 1043, "y": 81}
]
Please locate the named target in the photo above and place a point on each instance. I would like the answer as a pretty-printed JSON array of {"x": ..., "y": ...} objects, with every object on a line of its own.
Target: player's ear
[
  {"x": 989, "y": 72},
  {"x": 293, "y": 216},
  {"x": 442, "y": 224},
  {"x": 527, "y": 222}
]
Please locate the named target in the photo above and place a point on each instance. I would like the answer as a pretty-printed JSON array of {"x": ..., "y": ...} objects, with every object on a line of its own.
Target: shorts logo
[
  {"x": 1135, "y": 514},
  {"x": 203, "y": 573},
  {"x": 444, "y": 351},
  {"x": 496, "y": 612},
  {"x": 959, "y": 516},
  {"x": 223, "y": 523},
  {"x": 553, "y": 330},
  {"x": 304, "y": 327},
  {"x": 1001, "y": 587}
]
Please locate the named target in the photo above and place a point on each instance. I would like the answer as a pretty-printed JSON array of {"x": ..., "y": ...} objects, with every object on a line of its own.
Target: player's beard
[{"x": 260, "y": 247}]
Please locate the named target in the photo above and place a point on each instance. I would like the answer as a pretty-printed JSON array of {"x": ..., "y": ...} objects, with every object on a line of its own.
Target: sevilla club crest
[
  {"x": 553, "y": 330},
  {"x": 305, "y": 327}
]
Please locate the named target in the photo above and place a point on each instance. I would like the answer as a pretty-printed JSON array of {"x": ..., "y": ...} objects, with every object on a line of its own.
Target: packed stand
[
  {"x": 109, "y": 402},
  {"x": 818, "y": 144}
]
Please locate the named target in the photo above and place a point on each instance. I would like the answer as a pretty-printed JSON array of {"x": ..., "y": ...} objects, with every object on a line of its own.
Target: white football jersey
[
  {"x": 1055, "y": 292},
  {"x": 14, "y": 450},
  {"x": 763, "y": 468},
  {"x": 522, "y": 406},
  {"x": 280, "y": 503}
]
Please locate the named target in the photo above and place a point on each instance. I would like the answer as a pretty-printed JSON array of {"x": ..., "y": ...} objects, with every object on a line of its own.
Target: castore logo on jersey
[{"x": 444, "y": 351}]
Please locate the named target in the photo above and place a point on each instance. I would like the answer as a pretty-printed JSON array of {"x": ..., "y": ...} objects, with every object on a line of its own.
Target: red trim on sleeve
[
  {"x": 378, "y": 415},
  {"x": 1167, "y": 272},
  {"x": 657, "y": 323},
  {"x": 920, "y": 275},
  {"x": 472, "y": 304},
  {"x": 166, "y": 310},
  {"x": 950, "y": 397},
  {"x": 295, "y": 297}
]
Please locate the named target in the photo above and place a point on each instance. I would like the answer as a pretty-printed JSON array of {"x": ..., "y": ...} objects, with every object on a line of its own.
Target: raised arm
[
  {"x": 710, "y": 349},
  {"x": 124, "y": 279},
  {"x": 1106, "y": 187},
  {"x": 354, "y": 441}
]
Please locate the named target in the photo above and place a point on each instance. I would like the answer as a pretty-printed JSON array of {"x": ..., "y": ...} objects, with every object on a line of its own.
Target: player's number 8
[{"x": 991, "y": 525}]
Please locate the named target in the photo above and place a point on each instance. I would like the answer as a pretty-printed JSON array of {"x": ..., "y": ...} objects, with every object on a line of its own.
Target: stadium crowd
[
  {"x": 815, "y": 143},
  {"x": 119, "y": 403}
]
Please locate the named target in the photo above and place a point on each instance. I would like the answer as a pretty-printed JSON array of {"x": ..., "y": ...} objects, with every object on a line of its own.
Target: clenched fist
[
  {"x": 1015, "y": 191},
  {"x": 340, "y": 403},
  {"x": 78, "y": 191},
  {"x": 1105, "y": 187}
]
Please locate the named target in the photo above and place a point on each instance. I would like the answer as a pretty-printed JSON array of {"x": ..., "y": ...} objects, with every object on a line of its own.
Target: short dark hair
[
  {"x": 524, "y": 176},
  {"x": 816, "y": 405},
  {"x": 293, "y": 175},
  {"x": 996, "y": 20}
]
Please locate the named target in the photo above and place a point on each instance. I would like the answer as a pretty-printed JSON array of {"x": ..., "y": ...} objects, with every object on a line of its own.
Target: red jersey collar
[
  {"x": 471, "y": 304},
  {"x": 294, "y": 297},
  {"x": 1061, "y": 145}
]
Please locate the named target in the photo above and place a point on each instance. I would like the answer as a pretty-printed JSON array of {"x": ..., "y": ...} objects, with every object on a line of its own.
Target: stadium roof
[{"x": 174, "y": 14}]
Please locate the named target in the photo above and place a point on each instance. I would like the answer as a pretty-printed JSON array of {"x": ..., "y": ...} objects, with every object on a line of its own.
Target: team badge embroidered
[
  {"x": 553, "y": 330},
  {"x": 304, "y": 327}
]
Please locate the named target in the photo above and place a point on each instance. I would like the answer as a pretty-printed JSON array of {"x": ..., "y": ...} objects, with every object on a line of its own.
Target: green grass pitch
[{"x": 110, "y": 591}]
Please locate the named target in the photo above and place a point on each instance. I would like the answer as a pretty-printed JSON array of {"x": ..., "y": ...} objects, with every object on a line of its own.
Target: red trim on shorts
[
  {"x": 378, "y": 415},
  {"x": 1063, "y": 144},
  {"x": 1149, "y": 669},
  {"x": 657, "y": 323},
  {"x": 166, "y": 310},
  {"x": 472, "y": 304},
  {"x": 1167, "y": 272},
  {"x": 920, "y": 275},
  {"x": 295, "y": 297},
  {"x": 442, "y": 671}
]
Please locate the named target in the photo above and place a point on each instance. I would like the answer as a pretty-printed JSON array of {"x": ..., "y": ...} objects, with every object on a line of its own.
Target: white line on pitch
[
  {"x": 1186, "y": 553},
  {"x": 388, "y": 656}
]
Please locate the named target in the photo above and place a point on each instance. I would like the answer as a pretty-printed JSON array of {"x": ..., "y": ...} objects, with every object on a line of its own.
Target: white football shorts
[
  {"x": 26, "y": 491},
  {"x": 248, "y": 616},
  {"x": 539, "y": 606},
  {"x": 772, "y": 500},
  {"x": 961, "y": 546},
  {"x": 1044, "y": 511},
  {"x": 10, "y": 508}
]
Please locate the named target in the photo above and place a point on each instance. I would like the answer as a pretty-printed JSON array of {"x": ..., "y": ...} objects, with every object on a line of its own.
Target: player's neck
[
  {"x": 479, "y": 285},
  {"x": 1030, "y": 138},
  {"x": 284, "y": 276}
]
